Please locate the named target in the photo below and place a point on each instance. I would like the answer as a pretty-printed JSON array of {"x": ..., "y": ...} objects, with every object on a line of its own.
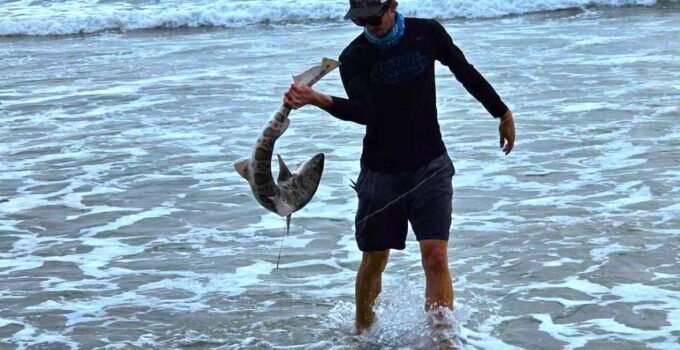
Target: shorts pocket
[{"x": 359, "y": 185}]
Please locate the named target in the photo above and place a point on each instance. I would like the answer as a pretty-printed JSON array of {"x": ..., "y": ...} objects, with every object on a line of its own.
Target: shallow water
[{"x": 123, "y": 224}]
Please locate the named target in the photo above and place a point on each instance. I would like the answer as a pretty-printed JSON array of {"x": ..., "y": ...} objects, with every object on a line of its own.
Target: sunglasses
[{"x": 373, "y": 20}]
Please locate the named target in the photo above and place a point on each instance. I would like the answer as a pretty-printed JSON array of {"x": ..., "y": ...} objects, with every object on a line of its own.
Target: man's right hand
[
  {"x": 507, "y": 132},
  {"x": 301, "y": 95}
]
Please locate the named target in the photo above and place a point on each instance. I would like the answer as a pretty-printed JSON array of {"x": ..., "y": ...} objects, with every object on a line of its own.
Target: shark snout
[
  {"x": 318, "y": 161},
  {"x": 309, "y": 177},
  {"x": 313, "y": 168},
  {"x": 320, "y": 157}
]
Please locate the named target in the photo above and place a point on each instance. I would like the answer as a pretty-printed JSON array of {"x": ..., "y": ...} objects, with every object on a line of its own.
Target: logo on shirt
[{"x": 400, "y": 68}]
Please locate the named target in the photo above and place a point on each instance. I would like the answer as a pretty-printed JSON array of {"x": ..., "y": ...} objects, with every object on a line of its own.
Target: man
[{"x": 406, "y": 174}]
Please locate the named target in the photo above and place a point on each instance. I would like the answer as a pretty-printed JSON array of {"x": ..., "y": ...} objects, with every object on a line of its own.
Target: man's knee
[
  {"x": 434, "y": 258},
  {"x": 374, "y": 262}
]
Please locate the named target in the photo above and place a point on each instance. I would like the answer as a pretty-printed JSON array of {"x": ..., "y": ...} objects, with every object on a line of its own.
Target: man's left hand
[
  {"x": 507, "y": 132},
  {"x": 302, "y": 95}
]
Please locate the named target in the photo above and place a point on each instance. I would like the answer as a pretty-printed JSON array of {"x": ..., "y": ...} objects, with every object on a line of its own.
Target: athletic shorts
[{"x": 387, "y": 202}]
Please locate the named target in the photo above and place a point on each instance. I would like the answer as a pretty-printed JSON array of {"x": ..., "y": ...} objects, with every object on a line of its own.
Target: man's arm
[
  {"x": 451, "y": 56},
  {"x": 301, "y": 95},
  {"x": 357, "y": 108},
  {"x": 507, "y": 132},
  {"x": 341, "y": 108}
]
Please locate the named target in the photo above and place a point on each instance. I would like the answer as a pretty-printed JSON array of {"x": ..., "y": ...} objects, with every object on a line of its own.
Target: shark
[{"x": 292, "y": 190}]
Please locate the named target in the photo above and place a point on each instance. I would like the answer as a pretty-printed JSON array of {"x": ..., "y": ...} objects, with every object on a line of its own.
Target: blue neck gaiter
[{"x": 392, "y": 38}]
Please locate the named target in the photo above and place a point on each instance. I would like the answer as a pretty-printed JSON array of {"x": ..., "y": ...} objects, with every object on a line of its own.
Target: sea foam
[{"x": 35, "y": 18}]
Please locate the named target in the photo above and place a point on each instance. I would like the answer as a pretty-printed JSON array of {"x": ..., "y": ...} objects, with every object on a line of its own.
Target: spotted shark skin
[{"x": 292, "y": 191}]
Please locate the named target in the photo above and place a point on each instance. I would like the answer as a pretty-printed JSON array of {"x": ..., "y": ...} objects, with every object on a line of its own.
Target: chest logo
[{"x": 399, "y": 68}]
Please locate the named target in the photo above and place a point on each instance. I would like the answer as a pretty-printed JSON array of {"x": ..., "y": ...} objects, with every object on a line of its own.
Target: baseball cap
[{"x": 365, "y": 8}]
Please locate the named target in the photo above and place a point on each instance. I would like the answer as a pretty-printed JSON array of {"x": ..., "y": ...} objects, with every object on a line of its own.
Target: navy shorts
[{"x": 384, "y": 209}]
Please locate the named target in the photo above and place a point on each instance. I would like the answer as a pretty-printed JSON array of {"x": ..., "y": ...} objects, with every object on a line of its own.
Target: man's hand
[
  {"x": 507, "y": 132},
  {"x": 302, "y": 95}
]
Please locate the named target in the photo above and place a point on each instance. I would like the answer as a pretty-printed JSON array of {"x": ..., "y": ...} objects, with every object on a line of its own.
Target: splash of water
[{"x": 401, "y": 321}]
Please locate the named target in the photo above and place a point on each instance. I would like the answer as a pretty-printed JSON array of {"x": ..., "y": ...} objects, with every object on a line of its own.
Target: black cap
[{"x": 365, "y": 8}]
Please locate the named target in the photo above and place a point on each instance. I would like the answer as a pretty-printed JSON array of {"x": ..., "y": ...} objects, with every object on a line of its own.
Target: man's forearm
[
  {"x": 343, "y": 108},
  {"x": 322, "y": 100},
  {"x": 480, "y": 88}
]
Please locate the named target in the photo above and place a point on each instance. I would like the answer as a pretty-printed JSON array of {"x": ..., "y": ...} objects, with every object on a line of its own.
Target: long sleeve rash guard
[{"x": 392, "y": 92}]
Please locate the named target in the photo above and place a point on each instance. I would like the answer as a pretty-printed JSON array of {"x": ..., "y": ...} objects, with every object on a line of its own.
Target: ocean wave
[{"x": 35, "y": 18}]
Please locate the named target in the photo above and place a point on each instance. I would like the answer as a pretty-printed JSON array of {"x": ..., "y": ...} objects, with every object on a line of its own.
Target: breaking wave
[{"x": 33, "y": 18}]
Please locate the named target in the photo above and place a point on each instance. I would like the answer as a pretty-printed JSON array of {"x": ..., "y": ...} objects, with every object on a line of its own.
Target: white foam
[
  {"x": 600, "y": 254},
  {"x": 129, "y": 220},
  {"x": 24, "y": 202},
  {"x": 561, "y": 262},
  {"x": 29, "y": 336},
  {"x": 82, "y": 16},
  {"x": 201, "y": 284},
  {"x": 401, "y": 320}
]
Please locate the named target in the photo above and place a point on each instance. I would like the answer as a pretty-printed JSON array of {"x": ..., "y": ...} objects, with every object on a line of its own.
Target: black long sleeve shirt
[{"x": 392, "y": 92}]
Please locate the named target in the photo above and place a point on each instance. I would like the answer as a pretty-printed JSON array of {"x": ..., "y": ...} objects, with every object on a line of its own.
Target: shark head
[
  {"x": 309, "y": 175},
  {"x": 313, "y": 168},
  {"x": 299, "y": 188}
]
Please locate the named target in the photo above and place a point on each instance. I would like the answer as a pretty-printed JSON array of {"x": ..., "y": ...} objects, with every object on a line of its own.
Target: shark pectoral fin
[
  {"x": 242, "y": 168},
  {"x": 284, "y": 172}
]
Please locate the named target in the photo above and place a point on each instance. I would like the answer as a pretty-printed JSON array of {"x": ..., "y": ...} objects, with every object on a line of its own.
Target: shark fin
[
  {"x": 284, "y": 172},
  {"x": 242, "y": 168}
]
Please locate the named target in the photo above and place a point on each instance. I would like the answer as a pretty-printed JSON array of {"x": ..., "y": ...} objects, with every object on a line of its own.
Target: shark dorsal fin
[
  {"x": 284, "y": 172},
  {"x": 242, "y": 168}
]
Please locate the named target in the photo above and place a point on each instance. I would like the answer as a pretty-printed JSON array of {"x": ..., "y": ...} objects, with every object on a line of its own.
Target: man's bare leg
[
  {"x": 368, "y": 287},
  {"x": 438, "y": 288}
]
